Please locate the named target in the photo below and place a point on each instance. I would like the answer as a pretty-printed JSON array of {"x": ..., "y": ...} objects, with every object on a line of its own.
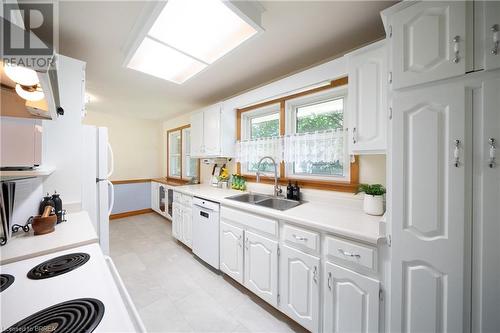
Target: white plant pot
[{"x": 373, "y": 204}]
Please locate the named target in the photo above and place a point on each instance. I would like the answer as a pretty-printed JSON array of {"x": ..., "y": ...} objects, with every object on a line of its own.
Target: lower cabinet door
[
  {"x": 231, "y": 251},
  {"x": 299, "y": 287},
  {"x": 154, "y": 197},
  {"x": 176, "y": 222},
  {"x": 261, "y": 267},
  {"x": 187, "y": 227},
  {"x": 351, "y": 301}
]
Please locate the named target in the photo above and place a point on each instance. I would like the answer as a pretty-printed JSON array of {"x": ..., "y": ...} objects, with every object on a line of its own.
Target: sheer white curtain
[
  {"x": 314, "y": 147},
  {"x": 251, "y": 151},
  {"x": 325, "y": 146}
]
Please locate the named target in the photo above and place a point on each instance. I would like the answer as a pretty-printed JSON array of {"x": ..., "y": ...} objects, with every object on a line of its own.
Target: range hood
[{"x": 51, "y": 105}]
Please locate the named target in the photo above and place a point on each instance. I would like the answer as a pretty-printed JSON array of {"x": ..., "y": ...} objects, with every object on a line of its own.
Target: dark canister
[
  {"x": 46, "y": 201},
  {"x": 58, "y": 206}
]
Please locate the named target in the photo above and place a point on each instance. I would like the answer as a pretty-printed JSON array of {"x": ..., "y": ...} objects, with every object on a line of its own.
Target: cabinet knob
[
  {"x": 456, "y": 49},
  {"x": 492, "y": 153},
  {"x": 456, "y": 154},
  {"x": 494, "y": 34},
  {"x": 329, "y": 282},
  {"x": 299, "y": 238},
  {"x": 349, "y": 254},
  {"x": 315, "y": 274}
]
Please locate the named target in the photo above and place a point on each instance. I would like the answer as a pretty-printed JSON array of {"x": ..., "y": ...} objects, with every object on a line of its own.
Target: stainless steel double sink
[{"x": 265, "y": 201}]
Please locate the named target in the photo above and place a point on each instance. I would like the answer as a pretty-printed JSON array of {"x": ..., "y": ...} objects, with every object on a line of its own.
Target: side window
[{"x": 259, "y": 124}]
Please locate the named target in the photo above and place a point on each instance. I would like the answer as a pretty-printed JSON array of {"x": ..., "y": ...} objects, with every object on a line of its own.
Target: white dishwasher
[{"x": 206, "y": 231}]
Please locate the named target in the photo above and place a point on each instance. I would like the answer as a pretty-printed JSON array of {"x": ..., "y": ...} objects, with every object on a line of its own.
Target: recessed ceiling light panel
[
  {"x": 188, "y": 35},
  {"x": 205, "y": 29},
  {"x": 159, "y": 60}
]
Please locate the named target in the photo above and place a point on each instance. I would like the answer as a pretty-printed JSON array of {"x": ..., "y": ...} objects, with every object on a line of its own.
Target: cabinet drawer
[
  {"x": 186, "y": 200},
  {"x": 177, "y": 197},
  {"x": 301, "y": 237},
  {"x": 254, "y": 221},
  {"x": 361, "y": 254}
]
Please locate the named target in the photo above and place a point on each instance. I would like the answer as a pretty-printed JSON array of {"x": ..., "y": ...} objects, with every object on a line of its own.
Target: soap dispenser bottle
[
  {"x": 289, "y": 190},
  {"x": 296, "y": 192}
]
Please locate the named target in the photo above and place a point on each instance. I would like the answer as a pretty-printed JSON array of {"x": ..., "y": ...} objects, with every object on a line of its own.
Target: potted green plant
[{"x": 373, "y": 203}]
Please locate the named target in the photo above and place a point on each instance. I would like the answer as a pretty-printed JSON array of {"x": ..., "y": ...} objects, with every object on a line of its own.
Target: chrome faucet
[{"x": 277, "y": 187}]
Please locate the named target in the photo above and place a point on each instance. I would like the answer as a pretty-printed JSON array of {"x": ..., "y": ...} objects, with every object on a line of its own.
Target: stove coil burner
[
  {"x": 79, "y": 315},
  {"x": 57, "y": 266},
  {"x": 5, "y": 281}
]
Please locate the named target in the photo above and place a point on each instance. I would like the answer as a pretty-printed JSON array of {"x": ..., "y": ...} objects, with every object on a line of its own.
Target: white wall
[
  {"x": 136, "y": 144},
  {"x": 130, "y": 197}
]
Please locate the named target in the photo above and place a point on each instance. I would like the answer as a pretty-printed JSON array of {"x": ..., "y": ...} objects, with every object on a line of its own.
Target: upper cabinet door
[
  {"x": 211, "y": 130},
  {"x": 431, "y": 154},
  {"x": 351, "y": 301},
  {"x": 261, "y": 267},
  {"x": 299, "y": 287},
  {"x": 428, "y": 42},
  {"x": 368, "y": 99},
  {"x": 197, "y": 134},
  {"x": 492, "y": 35}
]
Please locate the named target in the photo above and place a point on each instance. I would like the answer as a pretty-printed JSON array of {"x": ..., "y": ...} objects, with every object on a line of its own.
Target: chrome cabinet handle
[
  {"x": 493, "y": 152},
  {"x": 315, "y": 274},
  {"x": 299, "y": 238},
  {"x": 354, "y": 135},
  {"x": 246, "y": 246},
  {"x": 349, "y": 254},
  {"x": 240, "y": 243},
  {"x": 329, "y": 282},
  {"x": 456, "y": 154},
  {"x": 494, "y": 30},
  {"x": 456, "y": 49}
]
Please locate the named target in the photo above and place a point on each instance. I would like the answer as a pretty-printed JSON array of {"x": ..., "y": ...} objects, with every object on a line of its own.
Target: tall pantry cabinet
[{"x": 444, "y": 183}]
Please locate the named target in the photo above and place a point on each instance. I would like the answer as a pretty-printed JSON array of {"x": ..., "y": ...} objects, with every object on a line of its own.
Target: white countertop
[
  {"x": 76, "y": 231},
  {"x": 332, "y": 216}
]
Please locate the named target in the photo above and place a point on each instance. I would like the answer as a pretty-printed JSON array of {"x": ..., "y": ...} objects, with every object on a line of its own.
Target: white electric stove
[{"x": 81, "y": 291}]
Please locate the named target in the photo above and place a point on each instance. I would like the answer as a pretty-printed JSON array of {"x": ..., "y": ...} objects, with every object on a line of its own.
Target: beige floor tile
[{"x": 176, "y": 292}]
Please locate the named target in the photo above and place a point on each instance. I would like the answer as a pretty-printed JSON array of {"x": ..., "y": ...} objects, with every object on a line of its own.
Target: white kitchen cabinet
[
  {"x": 487, "y": 34},
  {"x": 486, "y": 208},
  {"x": 367, "y": 102},
  {"x": 427, "y": 42},
  {"x": 161, "y": 199},
  {"x": 231, "y": 251},
  {"x": 197, "y": 138},
  {"x": 213, "y": 132},
  {"x": 261, "y": 267},
  {"x": 154, "y": 197},
  {"x": 187, "y": 226},
  {"x": 299, "y": 286},
  {"x": 176, "y": 221},
  {"x": 430, "y": 156},
  {"x": 351, "y": 301},
  {"x": 182, "y": 219}
]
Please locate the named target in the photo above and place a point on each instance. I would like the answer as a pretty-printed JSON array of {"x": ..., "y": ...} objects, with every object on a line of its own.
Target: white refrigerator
[{"x": 97, "y": 190}]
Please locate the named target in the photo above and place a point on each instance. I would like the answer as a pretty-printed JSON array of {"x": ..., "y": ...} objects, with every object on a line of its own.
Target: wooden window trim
[
  {"x": 178, "y": 179},
  {"x": 350, "y": 186}
]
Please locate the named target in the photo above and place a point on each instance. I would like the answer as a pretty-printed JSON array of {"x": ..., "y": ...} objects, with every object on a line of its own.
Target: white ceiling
[{"x": 297, "y": 34}]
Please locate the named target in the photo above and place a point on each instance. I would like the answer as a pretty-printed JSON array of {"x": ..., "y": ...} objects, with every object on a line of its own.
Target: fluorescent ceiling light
[
  {"x": 205, "y": 29},
  {"x": 187, "y": 36},
  {"x": 159, "y": 60}
]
